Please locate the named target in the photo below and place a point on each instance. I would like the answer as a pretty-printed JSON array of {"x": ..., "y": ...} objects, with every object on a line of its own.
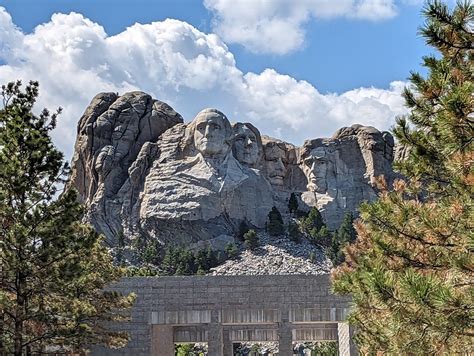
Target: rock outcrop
[
  {"x": 142, "y": 172},
  {"x": 276, "y": 256}
]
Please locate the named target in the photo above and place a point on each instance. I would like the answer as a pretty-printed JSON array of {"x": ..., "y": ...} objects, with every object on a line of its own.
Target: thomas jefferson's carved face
[
  {"x": 246, "y": 146},
  {"x": 274, "y": 164},
  {"x": 210, "y": 133},
  {"x": 316, "y": 167}
]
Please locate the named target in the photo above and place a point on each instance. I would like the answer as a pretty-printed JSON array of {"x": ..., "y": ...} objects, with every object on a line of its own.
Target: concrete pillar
[
  {"x": 162, "y": 343},
  {"x": 285, "y": 339},
  {"x": 347, "y": 346},
  {"x": 228, "y": 345},
  {"x": 215, "y": 341}
]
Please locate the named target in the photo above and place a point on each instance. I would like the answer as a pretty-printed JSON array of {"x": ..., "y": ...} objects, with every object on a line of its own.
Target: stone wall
[{"x": 226, "y": 309}]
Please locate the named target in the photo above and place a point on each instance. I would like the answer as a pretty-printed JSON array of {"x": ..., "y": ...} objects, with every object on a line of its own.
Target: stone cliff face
[{"x": 142, "y": 172}]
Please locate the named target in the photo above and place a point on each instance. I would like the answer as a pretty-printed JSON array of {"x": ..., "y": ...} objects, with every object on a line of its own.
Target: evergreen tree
[
  {"x": 231, "y": 250},
  {"x": 275, "y": 224},
  {"x": 53, "y": 267},
  {"x": 293, "y": 231},
  {"x": 340, "y": 238},
  {"x": 411, "y": 270},
  {"x": 243, "y": 228},
  {"x": 321, "y": 237},
  {"x": 251, "y": 239},
  {"x": 314, "y": 221},
  {"x": 211, "y": 257},
  {"x": 293, "y": 204},
  {"x": 201, "y": 259}
]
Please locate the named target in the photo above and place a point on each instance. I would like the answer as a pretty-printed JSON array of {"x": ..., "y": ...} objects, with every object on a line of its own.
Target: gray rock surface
[
  {"x": 276, "y": 256},
  {"x": 143, "y": 173}
]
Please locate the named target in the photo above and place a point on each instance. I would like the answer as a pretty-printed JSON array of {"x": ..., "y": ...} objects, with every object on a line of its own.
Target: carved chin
[{"x": 276, "y": 180}]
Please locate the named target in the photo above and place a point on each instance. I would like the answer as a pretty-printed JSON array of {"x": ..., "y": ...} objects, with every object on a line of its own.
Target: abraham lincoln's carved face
[{"x": 316, "y": 166}]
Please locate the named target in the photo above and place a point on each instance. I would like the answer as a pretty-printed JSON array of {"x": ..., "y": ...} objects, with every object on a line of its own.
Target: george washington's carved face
[
  {"x": 211, "y": 129},
  {"x": 246, "y": 148},
  {"x": 316, "y": 167}
]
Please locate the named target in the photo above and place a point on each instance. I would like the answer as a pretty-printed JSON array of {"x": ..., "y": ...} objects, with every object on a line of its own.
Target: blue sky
[{"x": 297, "y": 69}]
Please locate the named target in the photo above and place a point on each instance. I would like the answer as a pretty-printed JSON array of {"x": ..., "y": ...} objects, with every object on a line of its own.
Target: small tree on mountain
[
  {"x": 293, "y": 231},
  {"x": 346, "y": 234},
  {"x": 275, "y": 224},
  {"x": 53, "y": 267},
  {"x": 231, "y": 250},
  {"x": 251, "y": 239},
  {"x": 312, "y": 225},
  {"x": 243, "y": 228},
  {"x": 293, "y": 204}
]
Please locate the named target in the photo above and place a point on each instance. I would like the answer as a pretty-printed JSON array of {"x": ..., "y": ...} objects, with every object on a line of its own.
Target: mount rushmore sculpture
[{"x": 142, "y": 172}]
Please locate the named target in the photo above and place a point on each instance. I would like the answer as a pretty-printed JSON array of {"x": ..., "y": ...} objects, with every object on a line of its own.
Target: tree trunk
[{"x": 19, "y": 315}]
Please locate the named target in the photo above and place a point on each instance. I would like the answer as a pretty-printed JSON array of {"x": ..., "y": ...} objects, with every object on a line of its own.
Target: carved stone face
[
  {"x": 210, "y": 133},
  {"x": 245, "y": 148},
  {"x": 274, "y": 163},
  {"x": 316, "y": 167}
]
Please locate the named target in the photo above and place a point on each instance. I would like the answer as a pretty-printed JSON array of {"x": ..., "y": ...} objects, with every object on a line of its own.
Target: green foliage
[
  {"x": 54, "y": 268},
  {"x": 189, "y": 350},
  {"x": 344, "y": 235},
  {"x": 313, "y": 221},
  {"x": 243, "y": 228},
  {"x": 312, "y": 257},
  {"x": 410, "y": 272},
  {"x": 181, "y": 261},
  {"x": 231, "y": 250},
  {"x": 321, "y": 237},
  {"x": 275, "y": 226},
  {"x": 293, "y": 204},
  {"x": 328, "y": 348},
  {"x": 314, "y": 226},
  {"x": 251, "y": 239},
  {"x": 293, "y": 231}
]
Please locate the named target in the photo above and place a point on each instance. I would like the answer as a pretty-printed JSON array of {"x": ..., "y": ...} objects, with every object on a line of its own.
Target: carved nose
[
  {"x": 280, "y": 165},
  {"x": 248, "y": 142}
]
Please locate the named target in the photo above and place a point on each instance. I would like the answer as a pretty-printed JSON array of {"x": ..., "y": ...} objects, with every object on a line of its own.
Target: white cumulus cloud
[
  {"x": 277, "y": 26},
  {"x": 73, "y": 58}
]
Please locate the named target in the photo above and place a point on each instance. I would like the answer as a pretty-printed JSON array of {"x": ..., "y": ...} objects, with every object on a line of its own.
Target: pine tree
[
  {"x": 293, "y": 204},
  {"x": 251, "y": 239},
  {"x": 275, "y": 224},
  {"x": 344, "y": 235},
  {"x": 321, "y": 237},
  {"x": 243, "y": 228},
  {"x": 314, "y": 221},
  {"x": 231, "y": 250},
  {"x": 411, "y": 270},
  {"x": 53, "y": 268},
  {"x": 293, "y": 231}
]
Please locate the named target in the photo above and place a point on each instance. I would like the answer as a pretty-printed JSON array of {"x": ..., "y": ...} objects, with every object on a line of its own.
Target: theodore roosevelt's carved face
[
  {"x": 246, "y": 145},
  {"x": 275, "y": 157},
  {"x": 316, "y": 166},
  {"x": 211, "y": 129}
]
